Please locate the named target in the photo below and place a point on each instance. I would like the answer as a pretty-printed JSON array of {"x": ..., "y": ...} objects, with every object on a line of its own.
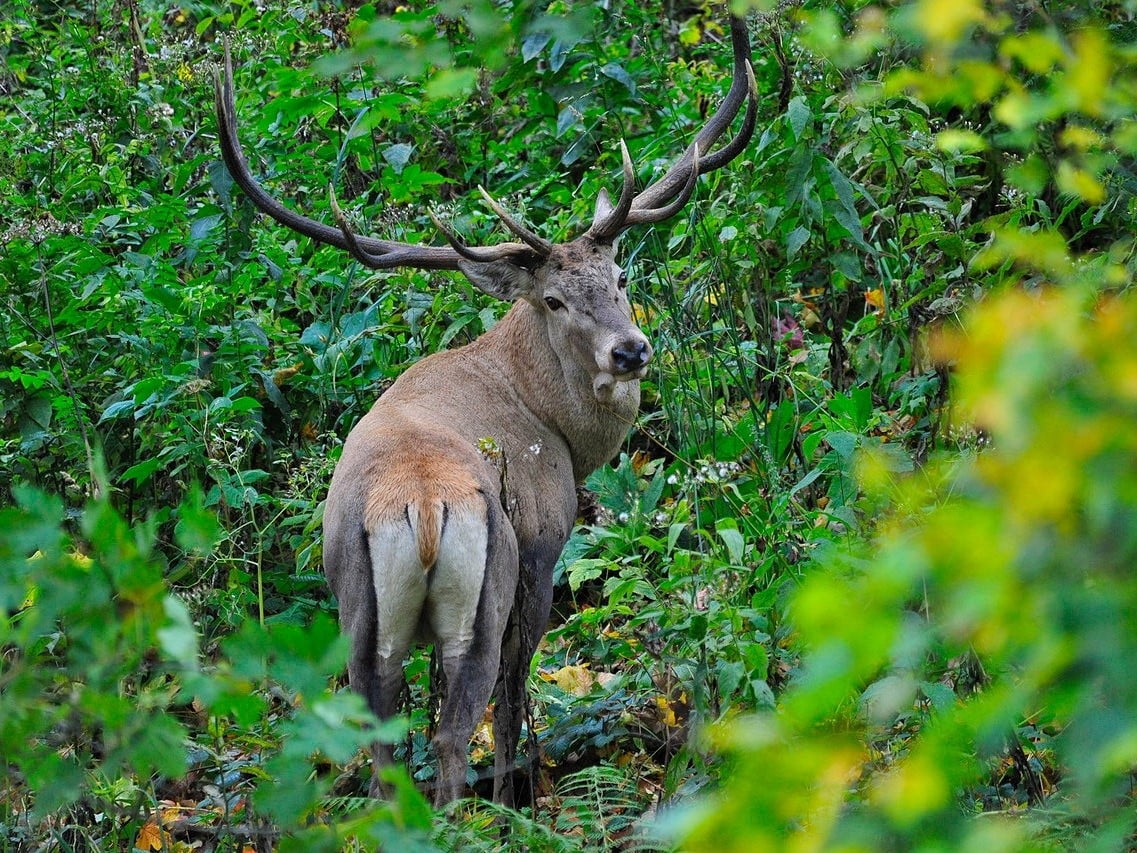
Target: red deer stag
[{"x": 423, "y": 537}]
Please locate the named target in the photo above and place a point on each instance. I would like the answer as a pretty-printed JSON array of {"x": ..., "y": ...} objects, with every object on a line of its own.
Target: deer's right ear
[{"x": 499, "y": 278}]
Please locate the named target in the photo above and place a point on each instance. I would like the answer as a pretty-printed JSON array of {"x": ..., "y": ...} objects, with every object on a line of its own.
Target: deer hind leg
[
  {"x": 526, "y": 626},
  {"x": 471, "y": 590},
  {"x": 400, "y": 589}
]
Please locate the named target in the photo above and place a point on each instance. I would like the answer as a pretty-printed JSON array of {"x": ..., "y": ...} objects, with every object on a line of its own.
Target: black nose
[{"x": 631, "y": 355}]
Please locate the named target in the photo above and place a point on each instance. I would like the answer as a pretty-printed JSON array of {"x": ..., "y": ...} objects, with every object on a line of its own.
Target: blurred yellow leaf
[
  {"x": 1125, "y": 136},
  {"x": 1081, "y": 137},
  {"x": 1038, "y": 52},
  {"x": 1089, "y": 71},
  {"x": 960, "y": 140},
  {"x": 946, "y": 20},
  {"x": 1039, "y": 250},
  {"x": 914, "y": 789},
  {"x": 1077, "y": 181}
]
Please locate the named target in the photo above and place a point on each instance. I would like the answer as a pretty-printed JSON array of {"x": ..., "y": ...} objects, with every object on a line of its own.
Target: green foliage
[
  {"x": 980, "y": 670},
  {"x": 102, "y": 673},
  {"x": 996, "y": 613},
  {"x": 934, "y": 604}
]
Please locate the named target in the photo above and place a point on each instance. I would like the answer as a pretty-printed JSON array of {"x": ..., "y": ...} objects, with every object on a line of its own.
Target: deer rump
[{"x": 424, "y": 554}]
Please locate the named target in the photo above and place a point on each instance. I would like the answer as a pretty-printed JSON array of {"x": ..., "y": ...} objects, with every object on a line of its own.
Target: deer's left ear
[{"x": 499, "y": 278}]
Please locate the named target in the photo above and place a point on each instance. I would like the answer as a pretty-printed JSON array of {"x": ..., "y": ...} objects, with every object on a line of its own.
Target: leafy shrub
[{"x": 909, "y": 162}]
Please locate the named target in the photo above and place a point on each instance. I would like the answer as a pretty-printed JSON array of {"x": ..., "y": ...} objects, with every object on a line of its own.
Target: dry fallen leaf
[
  {"x": 576, "y": 679},
  {"x": 149, "y": 837}
]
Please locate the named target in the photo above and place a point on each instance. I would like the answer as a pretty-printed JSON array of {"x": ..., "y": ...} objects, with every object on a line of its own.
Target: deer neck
[{"x": 559, "y": 391}]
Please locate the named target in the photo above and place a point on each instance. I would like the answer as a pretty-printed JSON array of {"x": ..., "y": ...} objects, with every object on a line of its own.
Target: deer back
[{"x": 553, "y": 387}]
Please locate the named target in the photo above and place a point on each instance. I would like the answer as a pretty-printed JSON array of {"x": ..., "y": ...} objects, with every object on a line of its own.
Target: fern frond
[
  {"x": 602, "y": 806},
  {"x": 479, "y": 825}
]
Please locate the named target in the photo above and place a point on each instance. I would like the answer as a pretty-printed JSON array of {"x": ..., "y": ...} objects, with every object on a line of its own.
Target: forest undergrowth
[{"x": 861, "y": 578}]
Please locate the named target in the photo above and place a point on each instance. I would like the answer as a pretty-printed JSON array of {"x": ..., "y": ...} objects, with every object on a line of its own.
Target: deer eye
[
  {"x": 554, "y": 303},
  {"x": 622, "y": 281}
]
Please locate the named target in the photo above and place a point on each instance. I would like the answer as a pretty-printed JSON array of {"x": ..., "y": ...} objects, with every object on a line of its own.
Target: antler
[
  {"x": 377, "y": 254},
  {"x": 666, "y": 196}
]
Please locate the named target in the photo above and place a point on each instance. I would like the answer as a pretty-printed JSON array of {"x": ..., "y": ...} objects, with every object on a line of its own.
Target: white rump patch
[
  {"x": 447, "y": 594},
  {"x": 456, "y": 581}
]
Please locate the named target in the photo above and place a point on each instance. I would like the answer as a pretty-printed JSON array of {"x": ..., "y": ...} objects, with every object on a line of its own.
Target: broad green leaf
[{"x": 799, "y": 116}]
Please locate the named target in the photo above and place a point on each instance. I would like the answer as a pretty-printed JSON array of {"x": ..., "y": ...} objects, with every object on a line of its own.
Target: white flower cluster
[
  {"x": 711, "y": 471},
  {"x": 38, "y": 229}
]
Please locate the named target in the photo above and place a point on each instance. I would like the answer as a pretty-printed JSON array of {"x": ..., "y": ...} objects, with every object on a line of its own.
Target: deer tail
[{"x": 427, "y": 519}]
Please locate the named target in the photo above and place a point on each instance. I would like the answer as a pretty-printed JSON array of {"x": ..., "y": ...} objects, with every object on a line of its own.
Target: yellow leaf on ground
[
  {"x": 149, "y": 837},
  {"x": 666, "y": 712},
  {"x": 576, "y": 679}
]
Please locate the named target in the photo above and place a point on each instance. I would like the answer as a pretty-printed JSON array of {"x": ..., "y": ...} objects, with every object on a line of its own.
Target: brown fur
[
  {"x": 418, "y": 486},
  {"x": 528, "y": 385}
]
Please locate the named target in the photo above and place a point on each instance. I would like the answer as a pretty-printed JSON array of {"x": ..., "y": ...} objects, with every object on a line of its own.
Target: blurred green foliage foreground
[{"x": 863, "y": 579}]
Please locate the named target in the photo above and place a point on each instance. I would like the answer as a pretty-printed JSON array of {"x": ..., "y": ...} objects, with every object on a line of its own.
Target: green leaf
[
  {"x": 200, "y": 227},
  {"x": 886, "y": 696},
  {"x": 112, "y": 411},
  {"x": 730, "y": 675},
  {"x": 451, "y": 83},
  {"x": 798, "y": 238},
  {"x": 844, "y": 212},
  {"x": 941, "y": 696},
  {"x": 584, "y": 570},
  {"x": 35, "y": 417},
  {"x": 197, "y": 528},
  {"x": 809, "y": 478},
  {"x": 398, "y": 155},
  {"x": 674, "y": 531},
  {"x": 178, "y": 637},
  {"x": 799, "y": 116},
  {"x": 57, "y": 782},
  {"x": 618, "y": 73},
  {"x": 731, "y": 538},
  {"x": 843, "y": 443},
  {"x": 533, "y": 43},
  {"x": 141, "y": 472},
  {"x": 157, "y": 746},
  {"x": 780, "y": 430}
]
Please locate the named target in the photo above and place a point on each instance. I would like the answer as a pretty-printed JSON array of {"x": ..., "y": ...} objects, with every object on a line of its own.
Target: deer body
[
  {"x": 427, "y": 539},
  {"x": 413, "y": 461}
]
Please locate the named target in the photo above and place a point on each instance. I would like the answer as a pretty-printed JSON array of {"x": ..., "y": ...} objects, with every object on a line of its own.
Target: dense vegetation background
[{"x": 864, "y": 577}]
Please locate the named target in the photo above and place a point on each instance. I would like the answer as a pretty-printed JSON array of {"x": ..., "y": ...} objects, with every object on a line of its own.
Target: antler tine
[
  {"x": 377, "y": 254},
  {"x": 535, "y": 242},
  {"x": 658, "y": 201},
  {"x": 376, "y": 261},
  {"x": 516, "y": 251},
  {"x": 613, "y": 222},
  {"x": 718, "y": 159},
  {"x": 238, "y": 166},
  {"x": 647, "y": 215}
]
